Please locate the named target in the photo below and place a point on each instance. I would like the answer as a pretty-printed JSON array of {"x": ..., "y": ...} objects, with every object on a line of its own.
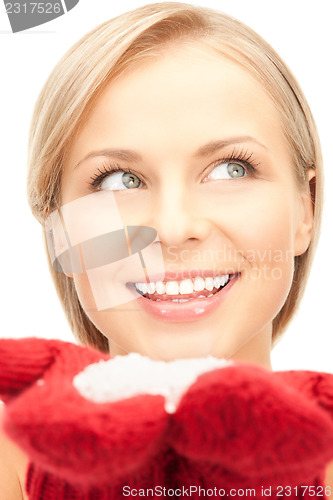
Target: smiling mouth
[{"x": 184, "y": 290}]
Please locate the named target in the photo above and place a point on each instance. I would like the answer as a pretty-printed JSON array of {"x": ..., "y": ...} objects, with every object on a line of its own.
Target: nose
[{"x": 179, "y": 216}]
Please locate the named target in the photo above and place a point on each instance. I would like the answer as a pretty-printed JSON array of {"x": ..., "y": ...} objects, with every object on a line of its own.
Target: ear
[{"x": 304, "y": 230}]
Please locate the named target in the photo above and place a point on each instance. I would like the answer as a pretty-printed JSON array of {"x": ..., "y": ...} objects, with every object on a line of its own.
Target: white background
[{"x": 301, "y": 31}]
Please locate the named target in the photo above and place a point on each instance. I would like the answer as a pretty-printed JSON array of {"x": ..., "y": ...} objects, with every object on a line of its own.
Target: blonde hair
[{"x": 115, "y": 47}]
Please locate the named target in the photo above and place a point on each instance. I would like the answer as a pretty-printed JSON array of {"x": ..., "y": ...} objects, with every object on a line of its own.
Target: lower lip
[{"x": 186, "y": 311}]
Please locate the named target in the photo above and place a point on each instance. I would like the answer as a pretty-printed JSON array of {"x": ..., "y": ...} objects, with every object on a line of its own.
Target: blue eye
[
  {"x": 228, "y": 170},
  {"x": 117, "y": 181}
]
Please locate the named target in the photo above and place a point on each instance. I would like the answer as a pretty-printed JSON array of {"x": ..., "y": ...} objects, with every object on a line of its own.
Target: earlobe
[{"x": 304, "y": 231}]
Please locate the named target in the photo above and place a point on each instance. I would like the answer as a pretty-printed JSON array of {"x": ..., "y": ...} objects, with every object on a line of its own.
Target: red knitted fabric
[{"x": 236, "y": 427}]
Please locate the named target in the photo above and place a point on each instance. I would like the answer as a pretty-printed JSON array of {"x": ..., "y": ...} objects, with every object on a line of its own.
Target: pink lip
[
  {"x": 184, "y": 274},
  {"x": 186, "y": 311}
]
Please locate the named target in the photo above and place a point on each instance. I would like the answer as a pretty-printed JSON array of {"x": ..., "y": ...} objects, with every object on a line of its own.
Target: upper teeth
[{"x": 182, "y": 287}]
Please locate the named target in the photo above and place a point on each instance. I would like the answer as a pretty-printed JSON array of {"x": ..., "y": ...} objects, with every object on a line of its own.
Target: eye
[
  {"x": 228, "y": 170},
  {"x": 119, "y": 181}
]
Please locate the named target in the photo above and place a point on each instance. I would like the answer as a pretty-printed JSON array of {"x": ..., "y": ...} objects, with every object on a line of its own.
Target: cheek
[
  {"x": 260, "y": 221},
  {"x": 260, "y": 229},
  {"x": 267, "y": 239},
  {"x": 84, "y": 292},
  {"x": 88, "y": 301},
  {"x": 115, "y": 322}
]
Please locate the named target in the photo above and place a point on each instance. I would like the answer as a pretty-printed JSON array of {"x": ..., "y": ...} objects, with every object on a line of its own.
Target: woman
[{"x": 184, "y": 121}]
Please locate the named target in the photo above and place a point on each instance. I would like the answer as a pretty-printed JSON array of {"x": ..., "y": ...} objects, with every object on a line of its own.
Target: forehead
[{"x": 187, "y": 95}]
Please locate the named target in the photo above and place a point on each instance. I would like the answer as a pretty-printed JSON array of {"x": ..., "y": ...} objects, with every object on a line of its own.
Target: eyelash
[
  {"x": 242, "y": 157},
  {"x": 104, "y": 172}
]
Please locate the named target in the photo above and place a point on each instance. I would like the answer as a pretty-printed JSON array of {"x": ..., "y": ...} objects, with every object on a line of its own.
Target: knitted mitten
[
  {"x": 239, "y": 426},
  {"x": 253, "y": 428}
]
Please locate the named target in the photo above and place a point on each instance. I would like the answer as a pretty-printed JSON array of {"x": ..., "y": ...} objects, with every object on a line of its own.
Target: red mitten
[
  {"x": 239, "y": 426},
  {"x": 315, "y": 386},
  {"x": 251, "y": 428},
  {"x": 64, "y": 434},
  {"x": 23, "y": 363}
]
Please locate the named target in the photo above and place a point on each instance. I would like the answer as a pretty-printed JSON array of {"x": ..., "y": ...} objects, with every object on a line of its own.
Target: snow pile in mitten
[{"x": 126, "y": 376}]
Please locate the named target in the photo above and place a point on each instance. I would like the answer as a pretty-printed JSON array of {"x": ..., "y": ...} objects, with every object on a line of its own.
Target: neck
[{"x": 257, "y": 350}]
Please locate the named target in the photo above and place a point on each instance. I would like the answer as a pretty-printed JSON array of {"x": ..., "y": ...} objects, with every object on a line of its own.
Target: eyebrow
[
  {"x": 213, "y": 146},
  {"x": 129, "y": 155},
  {"x": 120, "y": 154}
]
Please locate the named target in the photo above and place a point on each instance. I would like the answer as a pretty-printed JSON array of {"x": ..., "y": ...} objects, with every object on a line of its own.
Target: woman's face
[{"x": 210, "y": 171}]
